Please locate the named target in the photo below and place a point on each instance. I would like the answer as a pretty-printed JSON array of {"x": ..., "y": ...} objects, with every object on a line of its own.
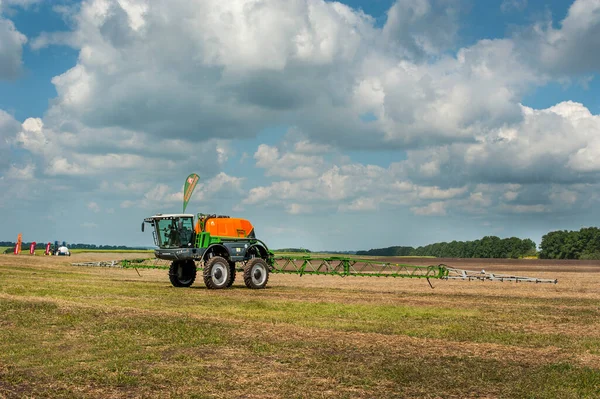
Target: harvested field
[{"x": 70, "y": 331}]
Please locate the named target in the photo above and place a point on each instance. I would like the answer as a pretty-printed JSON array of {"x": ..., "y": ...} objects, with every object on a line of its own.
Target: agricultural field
[{"x": 79, "y": 332}]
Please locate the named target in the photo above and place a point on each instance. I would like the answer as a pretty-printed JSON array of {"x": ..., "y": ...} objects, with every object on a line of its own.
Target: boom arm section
[
  {"x": 460, "y": 274},
  {"x": 342, "y": 266},
  {"x": 345, "y": 266}
]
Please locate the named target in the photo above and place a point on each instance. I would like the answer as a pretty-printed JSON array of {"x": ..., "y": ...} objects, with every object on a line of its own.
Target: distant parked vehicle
[{"x": 63, "y": 251}]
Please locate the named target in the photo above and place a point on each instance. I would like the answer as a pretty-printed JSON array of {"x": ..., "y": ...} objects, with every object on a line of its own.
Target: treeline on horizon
[
  {"x": 563, "y": 244},
  {"x": 487, "y": 247}
]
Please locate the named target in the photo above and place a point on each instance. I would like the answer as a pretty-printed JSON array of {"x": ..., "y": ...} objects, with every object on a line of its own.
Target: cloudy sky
[{"x": 330, "y": 125}]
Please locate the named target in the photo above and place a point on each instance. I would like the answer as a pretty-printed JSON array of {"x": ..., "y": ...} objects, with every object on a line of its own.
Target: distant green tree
[
  {"x": 551, "y": 245},
  {"x": 563, "y": 244}
]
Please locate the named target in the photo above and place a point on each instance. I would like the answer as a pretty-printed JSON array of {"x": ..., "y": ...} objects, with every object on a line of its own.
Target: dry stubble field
[{"x": 69, "y": 331}]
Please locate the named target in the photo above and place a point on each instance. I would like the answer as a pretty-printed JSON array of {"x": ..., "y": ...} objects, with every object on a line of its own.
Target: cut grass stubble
[{"x": 89, "y": 332}]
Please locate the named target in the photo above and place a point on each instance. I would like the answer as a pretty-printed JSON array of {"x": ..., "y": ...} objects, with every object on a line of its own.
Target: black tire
[
  {"x": 232, "y": 273},
  {"x": 256, "y": 273},
  {"x": 182, "y": 273},
  {"x": 217, "y": 273}
]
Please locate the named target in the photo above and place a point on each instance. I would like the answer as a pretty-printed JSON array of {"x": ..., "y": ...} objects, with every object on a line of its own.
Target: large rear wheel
[
  {"x": 256, "y": 273},
  {"x": 217, "y": 273},
  {"x": 182, "y": 273}
]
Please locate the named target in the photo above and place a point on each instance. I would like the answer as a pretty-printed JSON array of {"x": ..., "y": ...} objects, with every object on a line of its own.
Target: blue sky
[{"x": 331, "y": 126}]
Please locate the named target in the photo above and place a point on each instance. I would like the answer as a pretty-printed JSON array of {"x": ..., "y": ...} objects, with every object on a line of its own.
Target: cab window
[{"x": 171, "y": 236}]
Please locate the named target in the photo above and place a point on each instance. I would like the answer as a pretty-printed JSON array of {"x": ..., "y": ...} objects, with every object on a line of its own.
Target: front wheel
[
  {"x": 217, "y": 273},
  {"x": 182, "y": 273},
  {"x": 256, "y": 273}
]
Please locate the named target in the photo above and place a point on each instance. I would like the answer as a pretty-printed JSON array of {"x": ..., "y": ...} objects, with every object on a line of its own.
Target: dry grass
[{"x": 101, "y": 332}]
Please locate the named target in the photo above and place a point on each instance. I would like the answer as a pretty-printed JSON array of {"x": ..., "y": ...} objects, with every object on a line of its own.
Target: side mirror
[{"x": 143, "y": 227}]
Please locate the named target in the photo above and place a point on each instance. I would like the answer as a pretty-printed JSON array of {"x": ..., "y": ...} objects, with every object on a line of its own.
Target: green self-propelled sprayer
[{"x": 221, "y": 246}]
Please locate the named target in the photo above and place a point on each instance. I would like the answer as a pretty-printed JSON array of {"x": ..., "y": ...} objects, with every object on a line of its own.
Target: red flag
[
  {"x": 32, "y": 248},
  {"x": 48, "y": 249}
]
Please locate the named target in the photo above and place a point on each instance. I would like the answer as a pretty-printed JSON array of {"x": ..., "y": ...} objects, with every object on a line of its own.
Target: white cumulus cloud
[
  {"x": 432, "y": 209},
  {"x": 94, "y": 207},
  {"x": 11, "y": 49},
  {"x": 9, "y": 128}
]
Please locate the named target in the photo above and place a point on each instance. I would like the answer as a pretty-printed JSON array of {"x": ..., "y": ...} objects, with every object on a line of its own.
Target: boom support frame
[{"x": 346, "y": 266}]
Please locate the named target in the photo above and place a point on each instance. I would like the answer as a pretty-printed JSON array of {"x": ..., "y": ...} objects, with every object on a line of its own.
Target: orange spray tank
[{"x": 224, "y": 226}]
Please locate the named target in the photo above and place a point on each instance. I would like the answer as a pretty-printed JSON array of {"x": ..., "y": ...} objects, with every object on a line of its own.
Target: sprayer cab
[{"x": 172, "y": 230}]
